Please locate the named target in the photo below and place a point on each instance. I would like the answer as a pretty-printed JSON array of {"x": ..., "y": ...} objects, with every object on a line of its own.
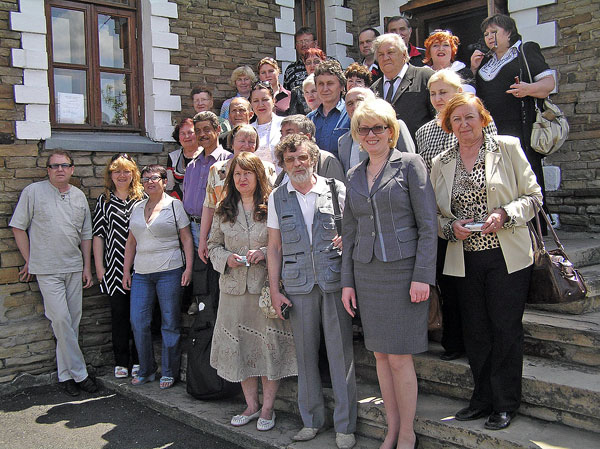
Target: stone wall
[
  {"x": 577, "y": 60},
  {"x": 215, "y": 37}
]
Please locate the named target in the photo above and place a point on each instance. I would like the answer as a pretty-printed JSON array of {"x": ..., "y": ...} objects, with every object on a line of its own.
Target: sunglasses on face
[
  {"x": 291, "y": 159},
  {"x": 377, "y": 129},
  {"x": 153, "y": 178},
  {"x": 57, "y": 166}
]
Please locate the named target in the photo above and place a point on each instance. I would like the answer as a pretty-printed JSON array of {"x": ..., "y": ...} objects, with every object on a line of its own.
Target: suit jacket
[
  {"x": 405, "y": 144},
  {"x": 411, "y": 99},
  {"x": 399, "y": 210},
  {"x": 237, "y": 238},
  {"x": 510, "y": 184}
]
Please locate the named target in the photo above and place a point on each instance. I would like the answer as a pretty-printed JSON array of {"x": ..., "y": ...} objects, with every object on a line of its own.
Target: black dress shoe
[
  {"x": 88, "y": 385},
  {"x": 450, "y": 355},
  {"x": 70, "y": 387},
  {"x": 499, "y": 420},
  {"x": 469, "y": 414}
]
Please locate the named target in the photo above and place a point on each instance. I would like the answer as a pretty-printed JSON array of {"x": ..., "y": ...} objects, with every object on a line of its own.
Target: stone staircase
[{"x": 561, "y": 386}]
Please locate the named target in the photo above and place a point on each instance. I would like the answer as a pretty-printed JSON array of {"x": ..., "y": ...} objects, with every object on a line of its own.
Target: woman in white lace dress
[{"x": 247, "y": 345}]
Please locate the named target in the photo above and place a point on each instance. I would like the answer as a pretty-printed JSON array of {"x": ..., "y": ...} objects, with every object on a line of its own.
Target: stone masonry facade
[{"x": 214, "y": 38}]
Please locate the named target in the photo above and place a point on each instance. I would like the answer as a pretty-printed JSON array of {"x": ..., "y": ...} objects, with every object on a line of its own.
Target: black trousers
[
  {"x": 452, "y": 336},
  {"x": 122, "y": 337},
  {"x": 492, "y": 303}
]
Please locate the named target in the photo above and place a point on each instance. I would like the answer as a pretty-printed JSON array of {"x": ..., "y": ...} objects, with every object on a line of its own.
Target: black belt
[{"x": 195, "y": 218}]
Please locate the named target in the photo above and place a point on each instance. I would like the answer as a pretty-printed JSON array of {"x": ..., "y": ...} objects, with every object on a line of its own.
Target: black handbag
[
  {"x": 554, "y": 279},
  {"x": 202, "y": 380}
]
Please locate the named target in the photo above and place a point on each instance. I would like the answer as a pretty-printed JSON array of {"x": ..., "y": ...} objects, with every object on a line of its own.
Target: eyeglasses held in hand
[
  {"x": 377, "y": 129},
  {"x": 153, "y": 178},
  {"x": 57, "y": 166},
  {"x": 291, "y": 159}
]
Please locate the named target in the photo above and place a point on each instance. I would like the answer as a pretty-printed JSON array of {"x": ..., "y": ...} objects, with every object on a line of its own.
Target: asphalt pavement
[{"x": 46, "y": 418}]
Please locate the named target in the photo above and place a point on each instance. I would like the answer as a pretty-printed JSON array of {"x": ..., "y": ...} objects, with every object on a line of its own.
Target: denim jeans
[
  {"x": 144, "y": 290},
  {"x": 195, "y": 228}
]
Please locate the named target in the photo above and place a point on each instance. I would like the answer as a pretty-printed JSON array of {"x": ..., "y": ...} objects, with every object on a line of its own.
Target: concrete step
[
  {"x": 565, "y": 338},
  {"x": 437, "y": 428},
  {"x": 583, "y": 248},
  {"x": 591, "y": 303},
  {"x": 213, "y": 417},
  {"x": 552, "y": 391}
]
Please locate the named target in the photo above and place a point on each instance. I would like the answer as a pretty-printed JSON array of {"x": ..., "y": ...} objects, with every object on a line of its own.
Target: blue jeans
[
  {"x": 144, "y": 290},
  {"x": 195, "y": 229}
]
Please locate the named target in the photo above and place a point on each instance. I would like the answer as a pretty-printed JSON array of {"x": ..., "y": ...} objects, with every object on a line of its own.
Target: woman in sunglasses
[
  {"x": 388, "y": 262},
  {"x": 122, "y": 191},
  {"x": 160, "y": 247}
]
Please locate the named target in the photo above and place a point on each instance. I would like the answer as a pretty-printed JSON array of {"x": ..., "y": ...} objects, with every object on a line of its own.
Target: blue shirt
[{"x": 331, "y": 126}]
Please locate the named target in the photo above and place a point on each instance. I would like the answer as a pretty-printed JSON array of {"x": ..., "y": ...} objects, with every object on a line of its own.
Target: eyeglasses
[
  {"x": 123, "y": 155},
  {"x": 57, "y": 166},
  {"x": 304, "y": 41},
  {"x": 377, "y": 129},
  {"x": 291, "y": 159},
  {"x": 153, "y": 178}
]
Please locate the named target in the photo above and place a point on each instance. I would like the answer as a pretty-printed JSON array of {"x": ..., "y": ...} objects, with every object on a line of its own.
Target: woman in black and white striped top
[{"x": 122, "y": 190}]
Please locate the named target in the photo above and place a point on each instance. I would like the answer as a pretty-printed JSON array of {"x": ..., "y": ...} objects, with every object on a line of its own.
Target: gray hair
[
  {"x": 304, "y": 124},
  {"x": 395, "y": 40},
  {"x": 207, "y": 116}
]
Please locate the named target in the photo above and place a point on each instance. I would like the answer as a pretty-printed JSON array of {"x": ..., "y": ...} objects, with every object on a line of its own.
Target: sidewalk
[{"x": 46, "y": 418}]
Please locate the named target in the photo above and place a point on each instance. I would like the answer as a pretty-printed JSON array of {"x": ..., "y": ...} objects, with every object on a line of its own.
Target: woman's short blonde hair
[
  {"x": 310, "y": 79},
  {"x": 376, "y": 109},
  {"x": 447, "y": 76},
  {"x": 239, "y": 72},
  {"x": 244, "y": 129},
  {"x": 462, "y": 99}
]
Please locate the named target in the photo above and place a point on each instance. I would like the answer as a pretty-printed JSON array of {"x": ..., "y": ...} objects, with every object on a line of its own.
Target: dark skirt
[{"x": 391, "y": 323}]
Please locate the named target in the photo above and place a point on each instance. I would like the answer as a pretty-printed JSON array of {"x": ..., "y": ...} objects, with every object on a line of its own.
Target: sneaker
[
  {"x": 345, "y": 440},
  {"x": 193, "y": 310},
  {"x": 88, "y": 385},
  {"x": 70, "y": 387},
  {"x": 121, "y": 372}
]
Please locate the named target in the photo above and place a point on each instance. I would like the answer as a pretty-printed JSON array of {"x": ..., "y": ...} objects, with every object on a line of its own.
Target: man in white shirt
[
  {"x": 52, "y": 226},
  {"x": 304, "y": 251}
]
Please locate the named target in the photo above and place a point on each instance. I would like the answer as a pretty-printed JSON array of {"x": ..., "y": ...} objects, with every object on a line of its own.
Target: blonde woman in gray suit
[{"x": 388, "y": 262}]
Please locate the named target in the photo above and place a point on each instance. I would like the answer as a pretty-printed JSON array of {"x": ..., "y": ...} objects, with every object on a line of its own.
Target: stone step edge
[
  {"x": 213, "y": 417},
  {"x": 435, "y": 421}
]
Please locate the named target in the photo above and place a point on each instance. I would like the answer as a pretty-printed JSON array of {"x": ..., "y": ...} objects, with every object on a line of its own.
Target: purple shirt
[{"x": 196, "y": 176}]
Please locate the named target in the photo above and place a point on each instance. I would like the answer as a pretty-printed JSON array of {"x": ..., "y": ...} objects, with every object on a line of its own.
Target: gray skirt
[{"x": 391, "y": 323}]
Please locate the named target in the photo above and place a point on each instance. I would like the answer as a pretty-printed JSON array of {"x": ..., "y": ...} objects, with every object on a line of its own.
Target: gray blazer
[
  {"x": 400, "y": 210},
  {"x": 405, "y": 144}
]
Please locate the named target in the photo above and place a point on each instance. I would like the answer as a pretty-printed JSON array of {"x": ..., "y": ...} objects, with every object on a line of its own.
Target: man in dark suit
[
  {"x": 401, "y": 25},
  {"x": 403, "y": 85}
]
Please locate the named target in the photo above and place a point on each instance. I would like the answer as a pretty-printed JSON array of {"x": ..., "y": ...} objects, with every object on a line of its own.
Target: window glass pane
[
  {"x": 68, "y": 36},
  {"x": 115, "y": 104},
  {"x": 113, "y": 41},
  {"x": 70, "y": 96},
  {"x": 122, "y": 2}
]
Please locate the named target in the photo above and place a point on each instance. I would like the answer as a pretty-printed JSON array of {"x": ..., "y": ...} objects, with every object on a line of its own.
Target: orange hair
[{"x": 440, "y": 36}]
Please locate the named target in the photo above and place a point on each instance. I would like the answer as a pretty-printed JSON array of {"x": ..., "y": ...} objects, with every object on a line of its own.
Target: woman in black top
[
  {"x": 185, "y": 135},
  {"x": 122, "y": 190},
  {"x": 505, "y": 96}
]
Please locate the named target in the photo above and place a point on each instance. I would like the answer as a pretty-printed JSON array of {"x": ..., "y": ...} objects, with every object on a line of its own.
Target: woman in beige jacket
[
  {"x": 486, "y": 192},
  {"x": 246, "y": 344}
]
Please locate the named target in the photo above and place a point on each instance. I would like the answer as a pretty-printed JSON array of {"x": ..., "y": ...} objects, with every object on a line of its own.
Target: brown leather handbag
[
  {"x": 434, "y": 321},
  {"x": 554, "y": 279}
]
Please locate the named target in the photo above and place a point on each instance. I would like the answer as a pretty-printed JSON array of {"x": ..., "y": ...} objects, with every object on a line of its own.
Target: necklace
[{"x": 374, "y": 177}]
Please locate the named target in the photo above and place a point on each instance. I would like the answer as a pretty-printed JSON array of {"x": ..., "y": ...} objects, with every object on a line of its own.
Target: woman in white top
[
  {"x": 160, "y": 246},
  {"x": 267, "y": 124}
]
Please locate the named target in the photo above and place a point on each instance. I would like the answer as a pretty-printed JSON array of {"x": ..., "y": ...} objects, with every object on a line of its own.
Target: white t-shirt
[
  {"x": 157, "y": 246},
  {"x": 307, "y": 203}
]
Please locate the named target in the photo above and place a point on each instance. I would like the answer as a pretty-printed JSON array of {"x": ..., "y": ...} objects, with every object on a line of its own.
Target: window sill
[{"x": 109, "y": 142}]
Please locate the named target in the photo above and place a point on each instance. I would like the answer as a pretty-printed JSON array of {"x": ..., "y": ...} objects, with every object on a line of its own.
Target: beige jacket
[
  {"x": 511, "y": 184},
  {"x": 237, "y": 238}
]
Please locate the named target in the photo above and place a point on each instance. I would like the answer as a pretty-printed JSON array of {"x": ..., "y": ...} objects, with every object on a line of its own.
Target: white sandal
[
  {"x": 135, "y": 370},
  {"x": 121, "y": 372},
  {"x": 242, "y": 420}
]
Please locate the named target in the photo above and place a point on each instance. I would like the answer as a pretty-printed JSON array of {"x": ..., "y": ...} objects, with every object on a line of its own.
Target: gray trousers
[
  {"x": 308, "y": 312},
  {"x": 62, "y": 295}
]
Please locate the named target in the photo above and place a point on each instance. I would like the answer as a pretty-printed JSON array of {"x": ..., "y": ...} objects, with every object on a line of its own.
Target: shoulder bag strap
[
  {"x": 337, "y": 213},
  {"x": 178, "y": 235}
]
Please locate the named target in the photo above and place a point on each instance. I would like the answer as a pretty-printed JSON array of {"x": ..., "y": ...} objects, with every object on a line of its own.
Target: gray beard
[{"x": 301, "y": 179}]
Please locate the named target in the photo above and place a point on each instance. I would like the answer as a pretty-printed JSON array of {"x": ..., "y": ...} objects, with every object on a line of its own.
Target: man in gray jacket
[{"x": 305, "y": 252}]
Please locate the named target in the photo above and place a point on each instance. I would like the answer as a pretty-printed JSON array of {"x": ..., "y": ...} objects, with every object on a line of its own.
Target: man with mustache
[
  {"x": 205, "y": 279},
  {"x": 304, "y": 251}
]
